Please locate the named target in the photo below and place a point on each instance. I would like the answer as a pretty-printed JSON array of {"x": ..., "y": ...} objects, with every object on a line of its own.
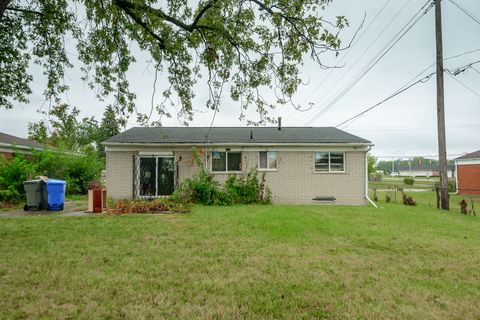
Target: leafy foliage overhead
[{"x": 253, "y": 45}]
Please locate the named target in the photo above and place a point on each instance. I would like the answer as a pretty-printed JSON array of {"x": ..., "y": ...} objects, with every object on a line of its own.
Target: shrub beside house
[{"x": 77, "y": 170}]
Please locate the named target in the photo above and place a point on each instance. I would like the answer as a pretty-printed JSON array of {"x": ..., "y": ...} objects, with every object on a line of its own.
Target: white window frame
[
  {"x": 156, "y": 175},
  {"x": 226, "y": 162},
  {"x": 329, "y": 162},
  {"x": 267, "y": 168}
]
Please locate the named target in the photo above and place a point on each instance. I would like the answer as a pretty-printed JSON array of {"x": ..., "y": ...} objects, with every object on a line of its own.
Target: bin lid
[
  {"x": 55, "y": 181},
  {"x": 35, "y": 181}
]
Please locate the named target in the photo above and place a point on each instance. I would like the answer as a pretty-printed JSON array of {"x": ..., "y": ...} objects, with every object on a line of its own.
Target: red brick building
[
  {"x": 468, "y": 174},
  {"x": 10, "y": 144}
]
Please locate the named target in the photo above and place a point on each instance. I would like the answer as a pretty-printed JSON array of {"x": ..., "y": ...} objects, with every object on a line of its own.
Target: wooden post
[{"x": 442, "y": 150}]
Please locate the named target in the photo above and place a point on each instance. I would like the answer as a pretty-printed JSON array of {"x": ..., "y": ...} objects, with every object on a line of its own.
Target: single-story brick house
[
  {"x": 468, "y": 174},
  {"x": 301, "y": 163},
  {"x": 10, "y": 144},
  {"x": 423, "y": 170}
]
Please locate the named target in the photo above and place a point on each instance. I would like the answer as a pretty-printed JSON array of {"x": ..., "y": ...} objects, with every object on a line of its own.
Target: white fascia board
[
  {"x": 13, "y": 147},
  {"x": 11, "y": 150},
  {"x": 7, "y": 147},
  {"x": 144, "y": 147},
  {"x": 155, "y": 153},
  {"x": 467, "y": 161}
]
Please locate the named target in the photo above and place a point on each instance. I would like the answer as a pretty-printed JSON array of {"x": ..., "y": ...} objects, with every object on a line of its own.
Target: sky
[{"x": 403, "y": 126}]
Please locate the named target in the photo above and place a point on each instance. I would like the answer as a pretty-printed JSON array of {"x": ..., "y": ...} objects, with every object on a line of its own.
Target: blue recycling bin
[{"x": 55, "y": 194}]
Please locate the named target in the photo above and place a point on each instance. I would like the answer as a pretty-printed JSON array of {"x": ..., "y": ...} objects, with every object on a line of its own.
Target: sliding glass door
[
  {"x": 156, "y": 176},
  {"x": 165, "y": 176},
  {"x": 147, "y": 177}
]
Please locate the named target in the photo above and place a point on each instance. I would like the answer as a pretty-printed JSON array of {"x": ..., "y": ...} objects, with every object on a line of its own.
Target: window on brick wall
[
  {"x": 226, "y": 161},
  {"x": 267, "y": 160},
  {"x": 329, "y": 162}
]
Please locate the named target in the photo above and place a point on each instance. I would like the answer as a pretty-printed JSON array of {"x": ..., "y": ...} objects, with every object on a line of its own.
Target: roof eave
[
  {"x": 16, "y": 146},
  {"x": 467, "y": 159},
  {"x": 352, "y": 144}
]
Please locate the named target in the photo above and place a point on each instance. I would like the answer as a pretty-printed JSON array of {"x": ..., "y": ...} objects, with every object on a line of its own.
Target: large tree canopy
[{"x": 252, "y": 45}]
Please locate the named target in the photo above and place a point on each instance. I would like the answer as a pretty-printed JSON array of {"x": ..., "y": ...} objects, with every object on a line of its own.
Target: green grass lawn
[
  {"x": 76, "y": 197},
  {"x": 429, "y": 199},
  {"x": 398, "y": 182},
  {"x": 249, "y": 262}
]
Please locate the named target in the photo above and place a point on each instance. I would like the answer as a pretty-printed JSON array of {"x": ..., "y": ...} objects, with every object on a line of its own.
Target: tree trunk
[{"x": 3, "y": 7}]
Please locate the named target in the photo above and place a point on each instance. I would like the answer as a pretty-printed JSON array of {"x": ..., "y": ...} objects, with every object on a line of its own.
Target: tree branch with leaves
[{"x": 254, "y": 46}]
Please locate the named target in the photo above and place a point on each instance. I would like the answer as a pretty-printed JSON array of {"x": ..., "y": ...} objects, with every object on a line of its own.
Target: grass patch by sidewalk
[
  {"x": 76, "y": 197},
  {"x": 290, "y": 262}
]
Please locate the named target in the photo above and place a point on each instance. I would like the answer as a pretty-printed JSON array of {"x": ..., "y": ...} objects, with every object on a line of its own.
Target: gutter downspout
[
  {"x": 366, "y": 179},
  {"x": 456, "y": 177},
  {"x": 206, "y": 158}
]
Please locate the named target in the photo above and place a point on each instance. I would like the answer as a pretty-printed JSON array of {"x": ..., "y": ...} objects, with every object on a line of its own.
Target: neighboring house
[
  {"x": 10, "y": 144},
  {"x": 300, "y": 163},
  {"x": 423, "y": 170},
  {"x": 468, "y": 174}
]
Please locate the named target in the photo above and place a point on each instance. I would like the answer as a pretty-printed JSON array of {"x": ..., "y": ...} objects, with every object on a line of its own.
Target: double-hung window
[
  {"x": 329, "y": 162},
  {"x": 267, "y": 160},
  {"x": 226, "y": 161}
]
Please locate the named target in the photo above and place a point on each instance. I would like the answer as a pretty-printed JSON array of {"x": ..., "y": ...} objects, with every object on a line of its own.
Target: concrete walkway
[{"x": 72, "y": 209}]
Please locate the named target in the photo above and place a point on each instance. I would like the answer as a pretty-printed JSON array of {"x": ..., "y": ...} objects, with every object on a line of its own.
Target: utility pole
[{"x": 442, "y": 148}]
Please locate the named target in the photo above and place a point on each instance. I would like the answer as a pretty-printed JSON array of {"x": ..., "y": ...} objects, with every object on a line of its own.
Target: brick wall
[
  {"x": 294, "y": 181},
  {"x": 469, "y": 179},
  {"x": 6, "y": 155},
  {"x": 187, "y": 165},
  {"x": 119, "y": 167}
]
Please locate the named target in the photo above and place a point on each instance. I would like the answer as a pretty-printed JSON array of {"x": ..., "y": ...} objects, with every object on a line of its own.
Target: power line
[
  {"x": 364, "y": 52},
  {"x": 411, "y": 128},
  {"x": 462, "y": 69},
  {"x": 423, "y": 80},
  {"x": 373, "y": 61},
  {"x": 359, "y": 58},
  {"x": 348, "y": 52},
  {"x": 461, "y": 54},
  {"x": 446, "y": 59},
  {"x": 464, "y": 85},
  {"x": 466, "y": 12},
  {"x": 405, "y": 29}
]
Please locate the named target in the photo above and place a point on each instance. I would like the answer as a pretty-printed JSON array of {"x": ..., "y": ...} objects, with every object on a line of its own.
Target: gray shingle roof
[
  {"x": 473, "y": 155},
  {"x": 13, "y": 140},
  {"x": 246, "y": 135}
]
